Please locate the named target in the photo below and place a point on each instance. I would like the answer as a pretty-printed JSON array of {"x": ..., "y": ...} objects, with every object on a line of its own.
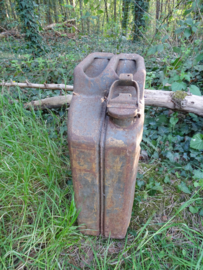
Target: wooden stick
[{"x": 40, "y": 86}]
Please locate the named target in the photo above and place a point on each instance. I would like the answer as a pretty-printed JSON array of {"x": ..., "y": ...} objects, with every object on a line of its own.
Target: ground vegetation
[{"x": 38, "y": 217}]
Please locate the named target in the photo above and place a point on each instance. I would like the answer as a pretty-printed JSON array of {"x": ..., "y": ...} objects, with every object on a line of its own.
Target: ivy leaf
[
  {"x": 199, "y": 57},
  {"x": 173, "y": 121},
  {"x": 170, "y": 156},
  {"x": 197, "y": 142},
  {"x": 198, "y": 174},
  {"x": 195, "y": 90},
  {"x": 166, "y": 179},
  {"x": 158, "y": 187},
  {"x": 178, "y": 86},
  {"x": 184, "y": 188},
  {"x": 140, "y": 183}
]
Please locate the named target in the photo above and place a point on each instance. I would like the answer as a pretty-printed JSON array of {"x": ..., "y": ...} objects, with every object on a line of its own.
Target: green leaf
[
  {"x": 166, "y": 179},
  {"x": 179, "y": 30},
  {"x": 187, "y": 11},
  {"x": 187, "y": 33},
  {"x": 86, "y": 1},
  {"x": 197, "y": 142},
  {"x": 196, "y": 184},
  {"x": 152, "y": 50},
  {"x": 160, "y": 48},
  {"x": 132, "y": 232},
  {"x": 165, "y": 38},
  {"x": 177, "y": 63},
  {"x": 198, "y": 174},
  {"x": 194, "y": 116},
  {"x": 201, "y": 212},
  {"x": 173, "y": 121},
  {"x": 194, "y": 210},
  {"x": 195, "y": 90},
  {"x": 178, "y": 86},
  {"x": 158, "y": 187},
  {"x": 100, "y": 11},
  {"x": 177, "y": 50},
  {"x": 184, "y": 188},
  {"x": 140, "y": 183},
  {"x": 68, "y": 6},
  {"x": 170, "y": 156},
  {"x": 199, "y": 57}
]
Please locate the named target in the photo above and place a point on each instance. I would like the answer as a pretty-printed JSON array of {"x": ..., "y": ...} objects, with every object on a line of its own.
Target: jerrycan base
[{"x": 105, "y": 126}]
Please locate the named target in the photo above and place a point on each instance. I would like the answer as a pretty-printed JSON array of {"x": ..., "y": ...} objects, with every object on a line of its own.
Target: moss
[{"x": 179, "y": 95}]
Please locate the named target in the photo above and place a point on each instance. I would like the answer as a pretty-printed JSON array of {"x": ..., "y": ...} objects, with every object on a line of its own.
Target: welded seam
[{"x": 101, "y": 168}]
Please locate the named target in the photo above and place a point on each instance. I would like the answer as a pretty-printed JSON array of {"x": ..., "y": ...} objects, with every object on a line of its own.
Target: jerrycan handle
[
  {"x": 124, "y": 98},
  {"x": 89, "y": 59}
]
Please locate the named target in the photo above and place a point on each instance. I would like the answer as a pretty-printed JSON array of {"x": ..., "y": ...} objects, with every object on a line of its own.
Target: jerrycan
[{"x": 105, "y": 126}]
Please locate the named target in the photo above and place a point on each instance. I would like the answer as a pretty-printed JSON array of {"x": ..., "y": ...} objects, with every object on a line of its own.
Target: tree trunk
[
  {"x": 82, "y": 25},
  {"x": 2, "y": 14},
  {"x": 30, "y": 26},
  {"x": 125, "y": 15},
  {"x": 106, "y": 10},
  {"x": 54, "y": 3},
  {"x": 12, "y": 10},
  {"x": 161, "y": 7},
  {"x": 157, "y": 9},
  {"x": 138, "y": 13},
  {"x": 47, "y": 4},
  {"x": 114, "y": 10},
  {"x": 63, "y": 13}
]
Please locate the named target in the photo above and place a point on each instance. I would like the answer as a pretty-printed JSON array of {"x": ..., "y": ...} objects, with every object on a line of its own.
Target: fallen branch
[
  {"x": 155, "y": 98},
  {"x": 51, "y": 26},
  {"x": 10, "y": 33},
  {"x": 158, "y": 98},
  {"x": 39, "y": 86},
  {"x": 49, "y": 103}
]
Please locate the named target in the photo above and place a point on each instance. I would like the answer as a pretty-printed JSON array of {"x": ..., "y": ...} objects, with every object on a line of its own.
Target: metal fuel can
[{"x": 105, "y": 126}]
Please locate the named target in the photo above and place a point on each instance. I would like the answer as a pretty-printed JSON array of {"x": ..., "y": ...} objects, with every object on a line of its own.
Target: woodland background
[{"x": 41, "y": 42}]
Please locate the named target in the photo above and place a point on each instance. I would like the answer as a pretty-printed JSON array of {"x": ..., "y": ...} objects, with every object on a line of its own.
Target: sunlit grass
[{"x": 37, "y": 213}]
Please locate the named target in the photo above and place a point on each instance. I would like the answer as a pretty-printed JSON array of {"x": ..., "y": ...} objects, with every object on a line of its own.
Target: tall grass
[{"x": 37, "y": 213}]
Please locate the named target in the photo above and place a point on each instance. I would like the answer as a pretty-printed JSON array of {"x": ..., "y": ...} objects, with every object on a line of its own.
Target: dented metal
[{"x": 105, "y": 126}]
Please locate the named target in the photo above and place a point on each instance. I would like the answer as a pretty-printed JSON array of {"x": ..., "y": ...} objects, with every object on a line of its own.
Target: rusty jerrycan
[{"x": 105, "y": 126}]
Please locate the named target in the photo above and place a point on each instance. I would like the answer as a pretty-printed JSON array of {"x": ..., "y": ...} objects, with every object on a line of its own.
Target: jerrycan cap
[{"x": 123, "y": 99}]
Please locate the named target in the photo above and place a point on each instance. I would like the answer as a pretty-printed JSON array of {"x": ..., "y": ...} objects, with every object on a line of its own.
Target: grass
[
  {"x": 38, "y": 228},
  {"x": 37, "y": 212}
]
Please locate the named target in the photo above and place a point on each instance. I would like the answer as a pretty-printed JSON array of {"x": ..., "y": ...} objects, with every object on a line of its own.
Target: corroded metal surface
[{"x": 104, "y": 134}]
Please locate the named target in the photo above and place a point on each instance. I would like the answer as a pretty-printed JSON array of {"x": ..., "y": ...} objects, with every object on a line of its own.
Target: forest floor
[{"x": 38, "y": 218}]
